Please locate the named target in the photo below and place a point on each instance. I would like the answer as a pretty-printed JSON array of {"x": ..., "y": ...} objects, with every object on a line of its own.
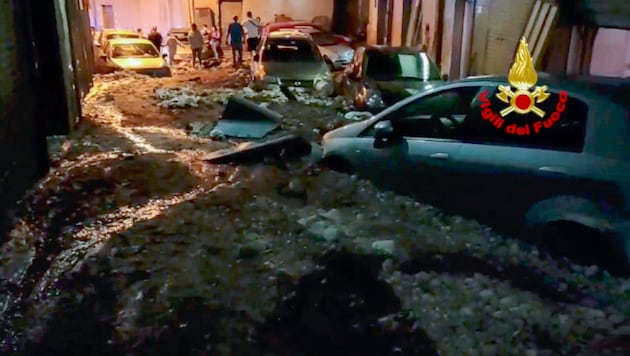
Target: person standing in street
[
  {"x": 215, "y": 42},
  {"x": 196, "y": 40},
  {"x": 156, "y": 38},
  {"x": 171, "y": 43},
  {"x": 252, "y": 30},
  {"x": 235, "y": 39}
]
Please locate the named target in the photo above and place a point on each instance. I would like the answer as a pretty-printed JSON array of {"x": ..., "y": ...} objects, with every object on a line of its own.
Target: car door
[
  {"x": 418, "y": 161},
  {"x": 502, "y": 174}
]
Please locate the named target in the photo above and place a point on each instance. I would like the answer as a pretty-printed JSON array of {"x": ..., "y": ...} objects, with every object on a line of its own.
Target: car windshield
[
  {"x": 391, "y": 66},
  {"x": 324, "y": 39},
  {"x": 134, "y": 50},
  {"x": 289, "y": 50}
]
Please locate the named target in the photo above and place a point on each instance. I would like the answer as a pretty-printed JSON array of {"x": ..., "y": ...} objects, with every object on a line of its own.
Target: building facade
[
  {"x": 479, "y": 37},
  {"x": 144, "y": 14}
]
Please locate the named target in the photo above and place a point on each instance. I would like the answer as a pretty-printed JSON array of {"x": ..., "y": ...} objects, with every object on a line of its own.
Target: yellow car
[
  {"x": 111, "y": 34},
  {"x": 134, "y": 54}
]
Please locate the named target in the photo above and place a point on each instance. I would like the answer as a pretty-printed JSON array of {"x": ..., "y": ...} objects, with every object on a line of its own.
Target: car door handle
[
  {"x": 553, "y": 170},
  {"x": 440, "y": 155}
]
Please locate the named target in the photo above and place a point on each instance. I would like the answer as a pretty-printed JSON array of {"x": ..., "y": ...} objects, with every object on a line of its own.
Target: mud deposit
[{"x": 134, "y": 245}]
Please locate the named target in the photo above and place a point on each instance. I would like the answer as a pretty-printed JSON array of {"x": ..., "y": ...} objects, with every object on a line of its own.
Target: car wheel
[
  {"x": 582, "y": 244},
  {"x": 338, "y": 164}
]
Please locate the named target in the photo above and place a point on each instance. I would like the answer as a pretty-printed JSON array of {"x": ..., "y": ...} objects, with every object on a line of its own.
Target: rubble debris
[
  {"x": 383, "y": 247},
  {"x": 177, "y": 98},
  {"x": 55, "y": 144},
  {"x": 285, "y": 148},
  {"x": 245, "y": 119}
]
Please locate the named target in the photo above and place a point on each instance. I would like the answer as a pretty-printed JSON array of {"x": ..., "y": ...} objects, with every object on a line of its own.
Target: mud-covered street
[{"x": 133, "y": 244}]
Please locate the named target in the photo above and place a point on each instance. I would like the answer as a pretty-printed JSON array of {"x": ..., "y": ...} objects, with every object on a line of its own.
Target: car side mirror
[
  {"x": 383, "y": 130},
  {"x": 444, "y": 77}
]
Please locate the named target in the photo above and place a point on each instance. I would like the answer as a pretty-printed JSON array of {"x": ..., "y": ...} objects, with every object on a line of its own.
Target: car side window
[
  {"x": 557, "y": 123},
  {"x": 438, "y": 115}
]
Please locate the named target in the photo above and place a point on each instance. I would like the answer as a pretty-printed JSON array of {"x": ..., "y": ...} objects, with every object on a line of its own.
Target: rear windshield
[
  {"x": 393, "y": 66},
  {"x": 324, "y": 39},
  {"x": 289, "y": 50},
  {"x": 134, "y": 50}
]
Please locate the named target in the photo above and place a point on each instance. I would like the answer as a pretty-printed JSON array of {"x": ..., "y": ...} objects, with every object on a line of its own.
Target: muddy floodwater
[{"x": 133, "y": 244}]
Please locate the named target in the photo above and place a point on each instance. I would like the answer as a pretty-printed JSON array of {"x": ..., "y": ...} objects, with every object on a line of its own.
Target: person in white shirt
[{"x": 252, "y": 31}]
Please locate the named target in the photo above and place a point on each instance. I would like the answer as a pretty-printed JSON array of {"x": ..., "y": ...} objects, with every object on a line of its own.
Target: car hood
[
  {"x": 139, "y": 63},
  {"x": 296, "y": 70},
  {"x": 336, "y": 52},
  {"x": 351, "y": 130},
  {"x": 396, "y": 90}
]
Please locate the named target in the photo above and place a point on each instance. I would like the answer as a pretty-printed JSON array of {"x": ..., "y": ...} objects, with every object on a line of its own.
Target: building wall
[
  {"x": 611, "y": 53},
  {"x": 129, "y": 14},
  {"x": 296, "y": 9},
  {"x": 430, "y": 15}
]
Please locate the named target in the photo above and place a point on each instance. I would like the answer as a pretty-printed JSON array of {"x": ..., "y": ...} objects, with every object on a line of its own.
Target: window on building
[{"x": 108, "y": 16}]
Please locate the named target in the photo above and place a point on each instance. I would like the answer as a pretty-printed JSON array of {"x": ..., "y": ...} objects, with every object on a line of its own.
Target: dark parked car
[
  {"x": 562, "y": 171},
  {"x": 380, "y": 76}
]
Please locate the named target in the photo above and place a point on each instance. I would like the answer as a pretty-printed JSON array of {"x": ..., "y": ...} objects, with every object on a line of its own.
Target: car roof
[
  {"x": 289, "y": 33},
  {"x": 616, "y": 88},
  {"x": 120, "y": 41},
  {"x": 291, "y": 24},
  {"x": 392, "y": 49},
  {"x": 108, "y": 32}
]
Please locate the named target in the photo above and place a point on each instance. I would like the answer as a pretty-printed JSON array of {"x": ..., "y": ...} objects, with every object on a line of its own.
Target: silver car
[
  {"x": 337, "y": 53},
  {"x": 291, "y": 59},
  {"x": 560, "y": 171}
]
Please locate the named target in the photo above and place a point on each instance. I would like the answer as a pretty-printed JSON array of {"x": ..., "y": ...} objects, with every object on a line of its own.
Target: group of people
[
  {"x": 238, "y": 34},
  {"x": 246, "y": 33}
]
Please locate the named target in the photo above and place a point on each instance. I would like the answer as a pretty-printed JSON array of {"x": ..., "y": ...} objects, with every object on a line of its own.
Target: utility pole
[{"x": 192, "y": 11}]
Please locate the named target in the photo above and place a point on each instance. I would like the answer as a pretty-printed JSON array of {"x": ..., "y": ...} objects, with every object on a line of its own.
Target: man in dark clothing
[
  {"x": 156, "y": 38},
  {"x": 235, "y": 38}
]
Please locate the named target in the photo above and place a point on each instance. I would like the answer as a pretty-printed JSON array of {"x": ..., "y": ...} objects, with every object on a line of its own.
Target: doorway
[
  {"x": 108, "y": 16},
  {"x": 227, "y": 10},
  {"x": 204, "y": 16},
  {"x": 341, "y": 17}
]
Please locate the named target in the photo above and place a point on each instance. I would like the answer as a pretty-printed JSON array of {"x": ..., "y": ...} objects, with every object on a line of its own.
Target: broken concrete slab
[
  {"x": 246, "y": 119},
  {"x": 285, "y": 148}
]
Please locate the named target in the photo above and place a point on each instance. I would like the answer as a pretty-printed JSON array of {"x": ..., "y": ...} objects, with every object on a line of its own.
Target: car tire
[
  {"x": 587, "y": 245},
  {"x": 338, "y": 164}
]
